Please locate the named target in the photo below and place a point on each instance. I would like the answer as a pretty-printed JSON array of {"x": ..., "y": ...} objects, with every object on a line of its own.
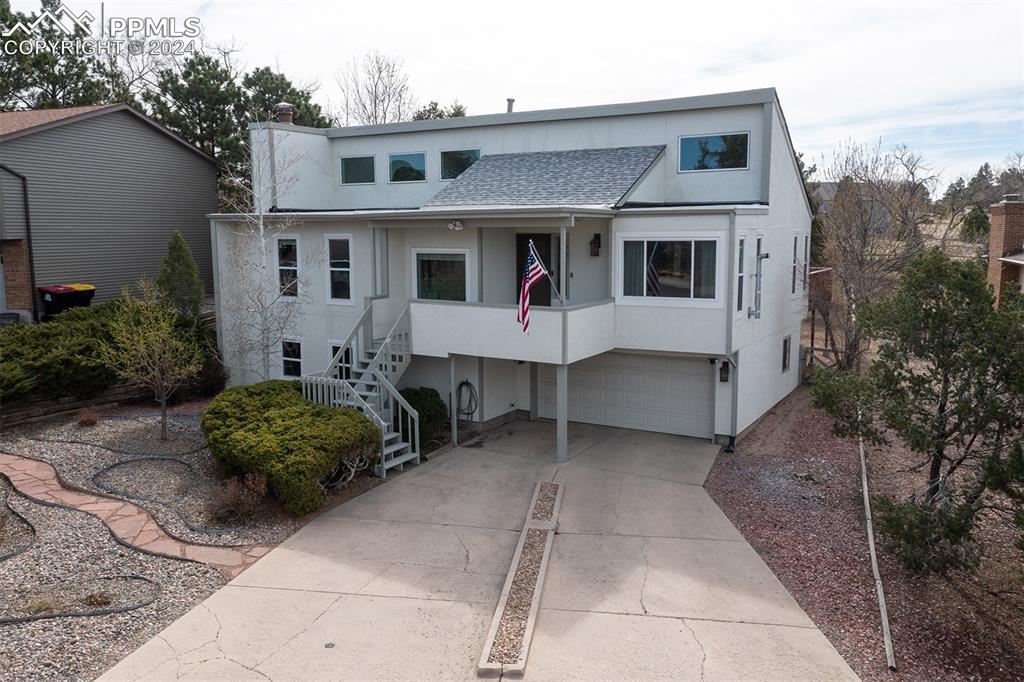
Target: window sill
[
  {"x": 340, "y": 301},
  {"x": 655, "y": 302}
]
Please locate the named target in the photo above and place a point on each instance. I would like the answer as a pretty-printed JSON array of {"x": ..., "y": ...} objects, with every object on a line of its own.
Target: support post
[
  {"x": 534, "y": 392},
  {"x": 563, "y": 264},
  {"x": 453, "y": 408},
  {"x": 562, "y": 412}
]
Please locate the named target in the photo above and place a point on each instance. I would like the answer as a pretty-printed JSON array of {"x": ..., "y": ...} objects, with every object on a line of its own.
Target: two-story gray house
[
  {"x": 676, "y": 233},
  {"x": 92, "y": 194}
]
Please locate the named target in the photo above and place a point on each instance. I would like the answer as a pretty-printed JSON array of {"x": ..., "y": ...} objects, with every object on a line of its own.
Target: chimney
[
  {"x": 511, "y": 101},
  {"x": 283, "y": 112},
  {"x": 1005, "y": 238}
]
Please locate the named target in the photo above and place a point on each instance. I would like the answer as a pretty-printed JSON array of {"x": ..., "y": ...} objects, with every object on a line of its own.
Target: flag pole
[{"x": 554, "y": 287}]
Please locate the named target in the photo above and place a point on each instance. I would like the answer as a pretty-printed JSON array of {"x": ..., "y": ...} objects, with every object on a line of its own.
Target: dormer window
[{"x": 727, "y": 151}]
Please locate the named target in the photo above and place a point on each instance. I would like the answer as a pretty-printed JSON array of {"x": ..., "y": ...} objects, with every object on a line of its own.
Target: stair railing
[
  {"x": 394, "y": 354},
  {"x": 354, "y": 344},
  {"x": 336, "y": 392},
  {"x": 405, "y": 420}
]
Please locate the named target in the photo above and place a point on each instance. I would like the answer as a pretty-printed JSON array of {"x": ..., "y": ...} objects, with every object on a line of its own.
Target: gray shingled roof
[{"x": 576, "y": 177}]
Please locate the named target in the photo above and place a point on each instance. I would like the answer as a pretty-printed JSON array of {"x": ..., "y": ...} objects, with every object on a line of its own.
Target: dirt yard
[{"x": 793, "y": 490}]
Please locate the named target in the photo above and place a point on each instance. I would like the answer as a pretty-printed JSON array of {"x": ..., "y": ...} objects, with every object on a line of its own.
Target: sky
[{"x": 946, "y": 78}]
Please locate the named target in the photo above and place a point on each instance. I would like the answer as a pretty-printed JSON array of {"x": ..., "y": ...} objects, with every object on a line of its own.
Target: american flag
[
  {"x": 653, "y": 281},
  {"x": 533, "y": 272}
]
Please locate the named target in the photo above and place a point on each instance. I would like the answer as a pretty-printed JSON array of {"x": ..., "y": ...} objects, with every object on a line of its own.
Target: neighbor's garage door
[{"x": 648, "y": 392}]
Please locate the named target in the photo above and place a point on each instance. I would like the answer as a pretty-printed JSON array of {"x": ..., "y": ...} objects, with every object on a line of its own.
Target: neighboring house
[
  {"x": 1006, "y": 244},
  {"x": 106, "y": 186},
  {"x": 655, "y": 218}
]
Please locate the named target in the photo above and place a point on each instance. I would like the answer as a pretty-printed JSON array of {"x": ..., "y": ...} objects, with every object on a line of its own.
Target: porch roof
[{"x": 574, "y": 177}]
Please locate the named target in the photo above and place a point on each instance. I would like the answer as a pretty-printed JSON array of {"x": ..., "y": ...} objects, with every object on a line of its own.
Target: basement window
[
  {"x": 291, "y": 358},
  {"x": 669, "y": 268},
  {"x": 713, "y": 152}
]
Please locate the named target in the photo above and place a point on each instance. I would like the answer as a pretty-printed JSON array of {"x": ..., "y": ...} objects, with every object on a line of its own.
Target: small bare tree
[
  {"x": 148, "y": 347},
  {"x": 872, "y": 231},
  {"x": 375, "y": 89},
  {"x": 258, "y": 298}
]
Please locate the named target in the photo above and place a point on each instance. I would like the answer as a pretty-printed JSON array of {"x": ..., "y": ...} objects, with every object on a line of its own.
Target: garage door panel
[{"x": 648, "y": 392}]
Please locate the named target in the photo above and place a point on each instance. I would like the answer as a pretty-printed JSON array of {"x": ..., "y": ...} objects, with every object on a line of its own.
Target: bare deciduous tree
[
  {"x": 872, "y": 231},
  {"x": 375, "y": 89},
  {"x": 258, "y": 306}
]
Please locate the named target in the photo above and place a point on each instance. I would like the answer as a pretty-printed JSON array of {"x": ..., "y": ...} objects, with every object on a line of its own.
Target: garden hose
[{"x": 471, "y": 400}]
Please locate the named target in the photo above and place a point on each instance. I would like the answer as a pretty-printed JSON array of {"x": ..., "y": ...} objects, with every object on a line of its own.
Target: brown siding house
[{"x": 105, "y": 188}]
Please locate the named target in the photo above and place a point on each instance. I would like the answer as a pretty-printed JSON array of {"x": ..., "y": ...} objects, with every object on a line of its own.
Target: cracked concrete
[{"x": 646, "y": 579}]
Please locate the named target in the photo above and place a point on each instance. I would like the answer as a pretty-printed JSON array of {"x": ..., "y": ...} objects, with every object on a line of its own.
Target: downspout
[
  {"x": 28, "y": 240},
  {"x": 729, "y": 318}
]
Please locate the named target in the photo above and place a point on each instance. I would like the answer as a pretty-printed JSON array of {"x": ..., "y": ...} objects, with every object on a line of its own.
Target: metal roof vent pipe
[
  {"x": 511, "y": 101},
  {"x": 284, "y": 112}
]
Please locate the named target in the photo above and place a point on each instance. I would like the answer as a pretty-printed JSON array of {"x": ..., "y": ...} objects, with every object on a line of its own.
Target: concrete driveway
[{"x": 647, "y": 578}]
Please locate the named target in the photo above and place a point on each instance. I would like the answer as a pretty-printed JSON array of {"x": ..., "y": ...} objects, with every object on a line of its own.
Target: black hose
[{"x": 472, "y": 401}]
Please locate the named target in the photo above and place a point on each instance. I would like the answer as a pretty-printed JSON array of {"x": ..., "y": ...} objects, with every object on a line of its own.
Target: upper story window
[
  {"x": 787, "y": 352},
  {"x": 358, "y": 170},
  {"x": 677, "y": 268},
  {"x": 339, "y": 269},
  {"x": 807, "y": 259},
  {"x": 288, "y": 266},
  {"x": 407, "y": 167},
  {"x": 727, "y": 151},
  {"x": 792, "y": 285},
  {"x": 454, "y": 162}
]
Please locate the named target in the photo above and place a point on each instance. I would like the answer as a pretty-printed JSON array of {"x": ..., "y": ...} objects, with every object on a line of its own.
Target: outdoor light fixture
[
  {"x": 595, "y": 245},
  {"x": 455, "y": 225},
  {"x": 723, "y": 372}
]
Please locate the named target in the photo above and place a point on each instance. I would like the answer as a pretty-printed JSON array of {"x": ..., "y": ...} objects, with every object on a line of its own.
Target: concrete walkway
[
  {"x": 647, "y": 579},
  {"x": 129, "y": 523}
]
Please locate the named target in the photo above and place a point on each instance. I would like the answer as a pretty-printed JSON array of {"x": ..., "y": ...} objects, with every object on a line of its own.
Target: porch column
[
  {"x": 451, "y": 401},
  {"x": 563, "y": 264},
  {"x": 562, "y": 412},
  {"x": 534, "y": 392}
]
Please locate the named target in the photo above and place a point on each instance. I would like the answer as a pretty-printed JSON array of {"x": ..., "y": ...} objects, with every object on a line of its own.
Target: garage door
[{"x": 648, "y": 392}]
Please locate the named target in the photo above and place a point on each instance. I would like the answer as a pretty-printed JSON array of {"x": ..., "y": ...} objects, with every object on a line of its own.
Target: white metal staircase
[{"x": 362, "y": 375}]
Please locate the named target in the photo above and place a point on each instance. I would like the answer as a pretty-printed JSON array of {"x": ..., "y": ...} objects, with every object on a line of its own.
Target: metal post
[
  {"x": 563, "y": 264},
  {"x": 451, "y": 401},
  {"x": 562, "y": 412}
]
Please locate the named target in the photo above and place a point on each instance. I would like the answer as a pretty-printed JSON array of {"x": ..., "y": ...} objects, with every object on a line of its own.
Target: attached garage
[{"x": 646, "y": 392}]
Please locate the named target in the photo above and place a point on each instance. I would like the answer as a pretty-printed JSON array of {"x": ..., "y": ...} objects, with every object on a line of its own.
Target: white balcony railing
[{"x": 557, "y": 335}]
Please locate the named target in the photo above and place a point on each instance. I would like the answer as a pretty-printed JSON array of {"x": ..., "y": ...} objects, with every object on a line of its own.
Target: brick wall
[
  {"x": 1005, "y": 238},
  {"x": 17, "y": 281}
]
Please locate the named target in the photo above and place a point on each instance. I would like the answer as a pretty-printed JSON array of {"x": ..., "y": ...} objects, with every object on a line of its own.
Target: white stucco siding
[
  {"x": 498, "y": 266},
  {"x": 762, "y": 383},
  {"x": 320, "y": 157},
  {"x": 589, "y": 275},
  {"x": 435, "y": 373}
]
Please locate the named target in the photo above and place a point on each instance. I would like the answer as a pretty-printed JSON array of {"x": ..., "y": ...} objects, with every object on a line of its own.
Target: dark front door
[{"x": 541, "y": 292}]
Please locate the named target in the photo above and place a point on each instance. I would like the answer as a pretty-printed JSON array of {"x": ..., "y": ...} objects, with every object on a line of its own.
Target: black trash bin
[{"x": 61, "y": 297}]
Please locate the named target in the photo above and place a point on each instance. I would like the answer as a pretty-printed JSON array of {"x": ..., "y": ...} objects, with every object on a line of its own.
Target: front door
[{"x": 547, "y": 244}]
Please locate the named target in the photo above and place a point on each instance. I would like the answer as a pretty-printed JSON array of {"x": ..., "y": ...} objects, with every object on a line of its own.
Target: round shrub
[
  {"x": 270, "y": 429},
  {"x": 432, "y": 410}
]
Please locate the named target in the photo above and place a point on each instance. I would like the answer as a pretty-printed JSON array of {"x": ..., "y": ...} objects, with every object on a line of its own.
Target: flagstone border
[{"x": 128, "y": 523}]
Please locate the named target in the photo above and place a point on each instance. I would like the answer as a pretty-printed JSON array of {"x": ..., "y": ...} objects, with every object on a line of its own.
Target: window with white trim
[
  {"x": 787, "y": 348},
  {"x": 288, "y": 266},
  {"x": 358, "y": 170},
  {"x": 727, "y": 151},
  {"x": 339, "y": 269},
  {"x": 739, "y": 274},
  {"x": 344, "y": 369},
  {"x": 407, "y": 167},
  {"x": 291, "y": 358},
  {"x": 792, "y": 286},
  {"x": 454, "y": 162},
  {"x": 669, "y": 268},
  {"x": 441, "y": 276}
]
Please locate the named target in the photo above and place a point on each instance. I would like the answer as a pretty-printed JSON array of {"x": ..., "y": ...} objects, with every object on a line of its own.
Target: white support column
[
  {"x": 534, "y": 392},
  {"x": 563, "y": 264},
  {"x": 451, "y": 401},
  {"x": 562, "y": 412}
]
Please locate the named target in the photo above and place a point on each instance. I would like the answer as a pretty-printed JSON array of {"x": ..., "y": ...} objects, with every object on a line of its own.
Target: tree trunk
[
  {"x": 163, "y": 419},
  {"x": 941, "y": 420}
]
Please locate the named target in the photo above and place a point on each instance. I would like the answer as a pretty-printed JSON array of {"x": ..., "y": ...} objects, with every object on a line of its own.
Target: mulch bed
[{"x": 793, "y": 490}]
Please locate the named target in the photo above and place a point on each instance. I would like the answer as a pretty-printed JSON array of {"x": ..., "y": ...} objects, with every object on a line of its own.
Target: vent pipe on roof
[
  {"x": 511, "y": 101},
  {"x": 283, "y": 112}
]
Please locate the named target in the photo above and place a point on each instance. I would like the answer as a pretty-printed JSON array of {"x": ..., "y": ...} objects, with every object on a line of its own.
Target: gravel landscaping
[
  {"x": 73, "y": 559},
  {"x": 793, "y": 490},
  {"x": 177, "y": 481},
  {"x": 544, "y": 507},
  {"x": 16, "y": 534},
  {"x": 508, "y": 640}
]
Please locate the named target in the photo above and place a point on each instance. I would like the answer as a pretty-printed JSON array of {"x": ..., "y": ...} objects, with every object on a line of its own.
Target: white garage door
[{"x": 648, "y": 392}]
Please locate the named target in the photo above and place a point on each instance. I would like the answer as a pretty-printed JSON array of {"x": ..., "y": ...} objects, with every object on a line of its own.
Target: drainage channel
[{"x": 508, "y": 640}]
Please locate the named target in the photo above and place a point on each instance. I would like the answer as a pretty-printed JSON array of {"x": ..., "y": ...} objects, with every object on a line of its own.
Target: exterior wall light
[
  {"x": 723, "y": 373},
  {"x": 455, "y": 225},
  {"x": 595, "y": 245}
]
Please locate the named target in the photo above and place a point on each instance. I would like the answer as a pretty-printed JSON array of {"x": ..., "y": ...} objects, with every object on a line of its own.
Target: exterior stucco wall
[{"x": 309, "y": 152}]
